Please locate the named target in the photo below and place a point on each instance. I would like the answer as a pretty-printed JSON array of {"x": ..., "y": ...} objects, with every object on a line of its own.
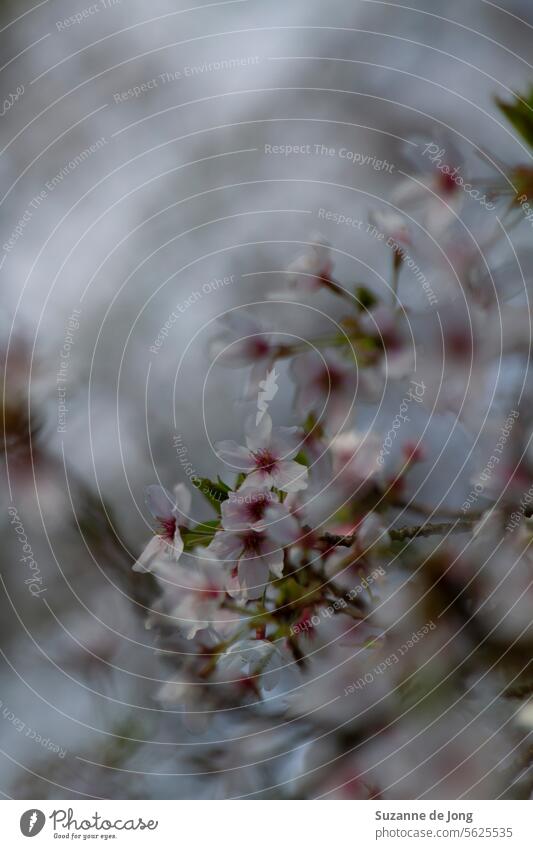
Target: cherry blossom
[
  {"x": 311, "y": 270},
  {"x": 393, "y": 226},
  {"x": 267, "y": 459},
  {"x": 191, "y": 596},
  {"x": 245, "y": 341},
  {"x": 258, "y": 661},
  {"x": 356, "y": 461},
  {"x": 314, "y": 591},
  {"x": 391, "y": 332},
  {"x": 255, "y": 528},
  {"x": 436, "y": 189},
  {"x": 171, "y": 513},
  {"x": 326, "y": 385}
]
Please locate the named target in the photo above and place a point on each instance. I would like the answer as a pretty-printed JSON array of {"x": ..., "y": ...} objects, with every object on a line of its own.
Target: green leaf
[
  {"x": 365, "y": 298},
  {"x": 519, "y": 112},
  {"x": 214, "y": 493},
  {"x": 201, "y": 534}
]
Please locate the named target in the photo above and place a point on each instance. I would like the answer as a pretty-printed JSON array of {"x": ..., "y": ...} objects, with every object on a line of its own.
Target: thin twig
[{"x": 461, "y": 526}]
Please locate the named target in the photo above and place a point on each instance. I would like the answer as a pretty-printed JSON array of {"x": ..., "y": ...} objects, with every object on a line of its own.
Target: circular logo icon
[{"x": 32, "y": 822}]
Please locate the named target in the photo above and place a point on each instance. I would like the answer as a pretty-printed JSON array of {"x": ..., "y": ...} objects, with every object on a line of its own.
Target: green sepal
[{"x": 519, "y": 112}]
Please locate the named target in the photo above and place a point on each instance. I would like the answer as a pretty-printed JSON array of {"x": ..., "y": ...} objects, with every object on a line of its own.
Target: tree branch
[{"x": 460, "y": 526}]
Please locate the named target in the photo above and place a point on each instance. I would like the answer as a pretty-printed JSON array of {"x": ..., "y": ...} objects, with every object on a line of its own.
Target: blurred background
[{"x": 144, "y": 172}]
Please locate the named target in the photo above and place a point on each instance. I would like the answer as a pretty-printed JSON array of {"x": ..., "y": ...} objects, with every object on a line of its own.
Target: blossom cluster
[{"x": 258, "y": 600}]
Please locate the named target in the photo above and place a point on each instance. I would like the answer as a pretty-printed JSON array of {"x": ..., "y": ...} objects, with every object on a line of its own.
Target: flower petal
[
  {"x": 273, "y": 561},
  {"x": 285, "y": 442},
  {"x": 281, "y": 526},
  {"x": 259, "y": 479},
  {"x": 153, "y": 549},
  {"x": 290, "y": 476},
  {"x": 258, "y": 435},
  {"x": 225, "y": 547},
  {"x": 441, "y": 213},
  {"x": 183, "y": 499},
  {"x": 235, "y": 455},
  {"x": 253, "y": 576},
  {"x": 160, "y": 502},
  {"x": 176, "y": 550}
]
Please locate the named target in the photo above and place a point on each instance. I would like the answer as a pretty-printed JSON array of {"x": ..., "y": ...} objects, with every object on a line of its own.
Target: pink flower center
[
  {"x": 325, "y": 272},
  {"x": 458, "y": 344},
  {"x": 264, "y": 461},
  {"x": 256, "y": 508},
  {"x": 258, "y": 348},
  {"x": 251, "y": 542},
  {"x": 210, "y": 591},
  {"x": 447, "y": 184},
  {"x": 167, "y": 528},
  {"x": 330, "y": 379}
]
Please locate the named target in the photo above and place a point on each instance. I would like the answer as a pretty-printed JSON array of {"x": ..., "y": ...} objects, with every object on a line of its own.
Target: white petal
[
  {"x": 372, "y": 531},
  {"x": 236, "y": 456},
  {"x": 160, "y": 502},
  {"x": 307, "y": 367},
  {"x": 225, "y": 547},
  {"x": 257, "y": 374},
  {"x": 441, "y": 214},
  {"x": 241, "y": 323},
  {"x": 340, "y": 407},
  {"x": 290, "y": 476},
  {"x": 258, "y": 436},
  {"x": 235, "y": 515},
  {"x": 410, "y": 191},
  {"x": 260, "y": 479},
  {"x": 285, "y": 442},
  {"x": 274, "y": 562},
  {"x": 230, "y": 354},
  {"x": 309, "y": 398},
  {"x": 183, "y": 499},
  {"x": 253, "y": 576},
  {"x": 281, "y": 526},
  {"x": 176, "y": 550},
  {"x": 153, "y": 549}
]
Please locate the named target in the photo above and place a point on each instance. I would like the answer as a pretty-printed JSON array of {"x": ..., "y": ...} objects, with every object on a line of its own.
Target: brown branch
[{"x": 461, "y": 526}]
